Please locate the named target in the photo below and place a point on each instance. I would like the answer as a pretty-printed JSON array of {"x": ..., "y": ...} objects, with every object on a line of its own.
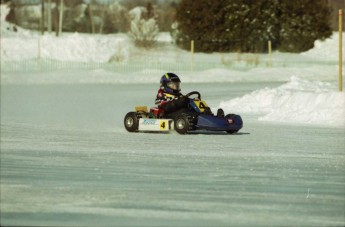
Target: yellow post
[
  {"x": 340, "y": 50},
  {"x": 270, "y": 52},
  {"x": 39, "y": 49},
  {"x": 192, "y": 55},
  {"x": 39, "y": 54}
]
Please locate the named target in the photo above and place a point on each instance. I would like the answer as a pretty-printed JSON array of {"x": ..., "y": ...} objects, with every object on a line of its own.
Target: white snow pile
[
  {"x": 298, "y": 101},
  {"x": 21, "y": 46},
  {"x": 18, "y": 44},
  {"x": 326, "y": 50}
]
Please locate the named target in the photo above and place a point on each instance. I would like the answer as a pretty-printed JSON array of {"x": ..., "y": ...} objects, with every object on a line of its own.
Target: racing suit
[{"x": 170, "y": 103}]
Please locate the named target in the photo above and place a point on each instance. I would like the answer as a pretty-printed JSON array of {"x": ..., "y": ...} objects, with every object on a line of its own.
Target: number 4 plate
[
  {"x": 146, "y": 124},
  {"x": 201, "y": 105}
]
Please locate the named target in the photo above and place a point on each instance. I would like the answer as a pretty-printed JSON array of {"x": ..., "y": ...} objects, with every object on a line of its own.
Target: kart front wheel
[
  {"x": 131, "y": 122},
  {"x": 236, "y": 120},
  {"x": 181, "y": 124}
]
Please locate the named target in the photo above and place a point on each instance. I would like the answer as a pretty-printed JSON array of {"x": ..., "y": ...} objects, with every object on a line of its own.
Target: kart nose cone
[{"x": 215, "y": 123}]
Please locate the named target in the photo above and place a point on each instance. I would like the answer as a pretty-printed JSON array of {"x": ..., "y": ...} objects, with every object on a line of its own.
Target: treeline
[
  {"x": 215, "y": 26},
  {"x": 92, "y": 16},
  {"x": 248, "y": 25}
]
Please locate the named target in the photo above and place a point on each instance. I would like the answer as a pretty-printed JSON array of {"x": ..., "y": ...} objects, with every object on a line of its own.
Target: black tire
[
  {"x": 181, "y": 124},
  {"x": 232, "y": 131},
  {"x": 233, "y": 118},
  {"x": 131, "y": 122}
]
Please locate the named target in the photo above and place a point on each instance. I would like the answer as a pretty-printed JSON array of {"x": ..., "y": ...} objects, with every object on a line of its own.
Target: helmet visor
[{"x": 174, "y": 86}]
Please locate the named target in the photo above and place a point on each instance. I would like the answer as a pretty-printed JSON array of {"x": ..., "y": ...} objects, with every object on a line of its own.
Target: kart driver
[{"x": 169, "y": 97}]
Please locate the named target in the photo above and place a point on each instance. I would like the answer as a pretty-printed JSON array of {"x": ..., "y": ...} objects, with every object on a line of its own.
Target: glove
[{"x": 175, "y": 105}]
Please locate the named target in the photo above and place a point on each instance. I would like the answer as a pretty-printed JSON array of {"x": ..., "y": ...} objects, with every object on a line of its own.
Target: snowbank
[
  {"x": 70, "y": 47},
  {"x": 327, "y": 50},
  {"x": 75, "y": 47},
  {"x": 298, "y": 101},
  {"x": 152, "y": 75}
]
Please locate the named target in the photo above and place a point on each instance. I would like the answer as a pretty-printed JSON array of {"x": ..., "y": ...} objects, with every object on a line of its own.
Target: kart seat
[{"x": 157, "y": 112}]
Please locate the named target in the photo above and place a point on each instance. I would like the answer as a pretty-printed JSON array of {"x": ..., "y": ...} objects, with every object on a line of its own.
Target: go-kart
[{"x": 197, "y": 116}]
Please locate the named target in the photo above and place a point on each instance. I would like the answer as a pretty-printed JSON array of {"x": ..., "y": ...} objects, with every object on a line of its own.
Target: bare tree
[
  {"x": 49, "y": 16},
  {"x": 60, "y": 16},
  {"x": 144, "y": 28}
]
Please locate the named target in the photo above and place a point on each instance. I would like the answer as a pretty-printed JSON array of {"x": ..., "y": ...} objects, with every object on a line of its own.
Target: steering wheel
[{"x": 193, "y": 93}]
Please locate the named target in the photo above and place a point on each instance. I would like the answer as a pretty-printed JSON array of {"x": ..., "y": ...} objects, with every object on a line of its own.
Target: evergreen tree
[
  {"x": 222, "y": 25},
  {"x": 303, "y": 22},
  {"x": 204, "y": 22},
  {"x": 252, "y": 24},
  {"x": 247, "y": 25},
  {"x": 262, "y": 24}
]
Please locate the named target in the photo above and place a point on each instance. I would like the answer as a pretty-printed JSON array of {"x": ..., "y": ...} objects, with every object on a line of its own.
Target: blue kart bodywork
[
  {"x": 207, "y": 121},
  {"x": 215, "y": 123}
]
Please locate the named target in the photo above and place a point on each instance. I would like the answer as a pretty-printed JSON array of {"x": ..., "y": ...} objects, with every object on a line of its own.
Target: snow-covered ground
[{"x": 67, "y": 160}]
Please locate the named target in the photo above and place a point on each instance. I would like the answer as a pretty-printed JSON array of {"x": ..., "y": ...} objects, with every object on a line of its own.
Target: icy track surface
[{"x": 66, "y": 160}]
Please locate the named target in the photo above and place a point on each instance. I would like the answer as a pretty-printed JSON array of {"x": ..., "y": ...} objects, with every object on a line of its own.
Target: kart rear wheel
[
  {"x": 131, "y": 122},
  {"x": 181, "y": 123}
]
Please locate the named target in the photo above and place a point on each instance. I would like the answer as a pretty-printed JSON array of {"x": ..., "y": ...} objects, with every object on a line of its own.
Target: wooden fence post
[
  {"x": 270, "y": 53},
  {"x": 39, "y": 49},
  {"x": 60, "y": 17},
  {"x": 192, "y": 55},
  {"x": 340, "y": 51}
]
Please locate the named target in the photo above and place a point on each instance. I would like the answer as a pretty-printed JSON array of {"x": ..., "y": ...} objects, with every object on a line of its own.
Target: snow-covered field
[{"x": 67, "y": 160}]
